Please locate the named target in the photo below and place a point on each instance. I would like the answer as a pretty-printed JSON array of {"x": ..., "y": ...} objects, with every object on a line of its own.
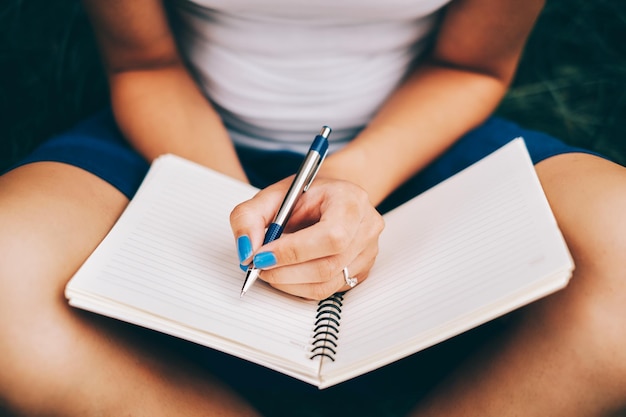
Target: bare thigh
[
  {"x": 51, "y": 216},
  {"x": 53, "y": 358},
  {"x": 564, "y": 354},
  {"x": 588, "y": 197}
]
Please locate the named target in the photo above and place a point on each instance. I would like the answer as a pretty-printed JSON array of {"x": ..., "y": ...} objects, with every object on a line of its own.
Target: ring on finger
[{"x": 350, "y": 281}]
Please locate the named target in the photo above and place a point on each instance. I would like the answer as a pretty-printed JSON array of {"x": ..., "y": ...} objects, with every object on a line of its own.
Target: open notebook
[{"x": 478, "y": 245}]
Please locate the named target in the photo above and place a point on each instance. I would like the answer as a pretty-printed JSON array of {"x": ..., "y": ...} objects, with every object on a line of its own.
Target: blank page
[
  {"x": 474, "y": 247},
  {"x": 172, "y": 254}
]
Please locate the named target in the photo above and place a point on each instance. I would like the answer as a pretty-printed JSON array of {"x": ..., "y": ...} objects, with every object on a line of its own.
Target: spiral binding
[{"x": 326, "y": 327}]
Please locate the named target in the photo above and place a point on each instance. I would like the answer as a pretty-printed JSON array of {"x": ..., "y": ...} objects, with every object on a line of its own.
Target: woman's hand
[{"x": 333, "y": 226}]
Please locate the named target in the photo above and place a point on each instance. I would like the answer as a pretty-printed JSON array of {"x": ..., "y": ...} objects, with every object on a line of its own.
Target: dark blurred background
[
  {"x": 572, "y": 79},
  {"x": 50, "y": 76},
  {"x": 571, "y": 83}
]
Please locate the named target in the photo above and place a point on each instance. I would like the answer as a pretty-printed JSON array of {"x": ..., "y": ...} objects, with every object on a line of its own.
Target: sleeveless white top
[{"x": 278, "y": 70}]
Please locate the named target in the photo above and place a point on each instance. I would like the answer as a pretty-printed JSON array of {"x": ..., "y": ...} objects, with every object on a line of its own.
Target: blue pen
[{"x": 303, "y": 179}]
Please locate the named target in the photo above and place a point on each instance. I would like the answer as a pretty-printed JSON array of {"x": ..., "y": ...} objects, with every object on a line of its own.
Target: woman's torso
[{"x": 277, "y": 70}]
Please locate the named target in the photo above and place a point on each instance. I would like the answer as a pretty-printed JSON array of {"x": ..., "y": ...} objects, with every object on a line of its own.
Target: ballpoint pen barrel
[
  {"x": 273, "y": 232},
  {"x": 301, "y": 182},
  {"x": 303, "y": 179}
]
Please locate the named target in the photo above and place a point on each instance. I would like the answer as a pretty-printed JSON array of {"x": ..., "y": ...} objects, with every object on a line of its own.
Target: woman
[{"x": 239, "y": 86}]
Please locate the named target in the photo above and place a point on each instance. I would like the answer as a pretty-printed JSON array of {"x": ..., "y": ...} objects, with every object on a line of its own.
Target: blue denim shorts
[{"x": 97, "y": 146}]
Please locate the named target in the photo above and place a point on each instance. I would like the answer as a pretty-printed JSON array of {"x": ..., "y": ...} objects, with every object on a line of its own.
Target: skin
[
  {"x": 565, "y": 355},
  {"x": 459, "y": 86},
  {"x": 572, "y": 340},
  {"x": 57, "y": 361}
]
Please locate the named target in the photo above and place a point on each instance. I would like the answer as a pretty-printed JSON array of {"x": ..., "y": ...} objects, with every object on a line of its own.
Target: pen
[{"x": 303, "y": 179}]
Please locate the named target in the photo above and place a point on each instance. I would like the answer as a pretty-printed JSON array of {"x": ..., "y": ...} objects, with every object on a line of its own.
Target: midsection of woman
[{"x": 277, "y": 70}]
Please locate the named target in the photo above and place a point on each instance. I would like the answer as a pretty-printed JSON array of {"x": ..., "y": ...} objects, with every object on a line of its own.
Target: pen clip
[{"x": 311, "y": 177}]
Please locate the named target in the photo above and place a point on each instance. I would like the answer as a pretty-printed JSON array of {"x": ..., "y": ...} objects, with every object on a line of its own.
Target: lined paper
[
  {"x": 478, "y": 245},
  {"x": 473, "y": 248},
  {"x": 172, "y": 254}
]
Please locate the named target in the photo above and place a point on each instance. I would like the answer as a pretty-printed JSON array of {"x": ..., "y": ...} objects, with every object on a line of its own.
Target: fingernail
[
  {"x": 264, "y": 260},
  {"x": 243, "y": 267},
  {"x": 244, "y": 248}
]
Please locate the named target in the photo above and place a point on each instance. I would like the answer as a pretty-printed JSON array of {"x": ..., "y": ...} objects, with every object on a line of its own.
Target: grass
[
  {"x": 572, "y": 79},
  {"x": 571, "y": 83}
]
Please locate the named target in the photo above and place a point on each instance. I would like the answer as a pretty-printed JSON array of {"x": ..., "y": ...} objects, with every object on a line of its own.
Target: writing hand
[{"x": 333, "y": 226}]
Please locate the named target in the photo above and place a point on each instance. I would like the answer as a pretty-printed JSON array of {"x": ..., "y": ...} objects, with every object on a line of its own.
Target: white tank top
[{"x": 278, "y": 70}]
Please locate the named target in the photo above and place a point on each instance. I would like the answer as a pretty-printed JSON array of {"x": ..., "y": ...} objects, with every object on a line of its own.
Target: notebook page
[
  {"x": 172, "y": 256},
  {"x": 478, "y": 245}
]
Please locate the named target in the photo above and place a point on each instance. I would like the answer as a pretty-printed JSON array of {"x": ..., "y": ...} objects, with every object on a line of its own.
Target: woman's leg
[
  {"x": 566, "y": 354},
  {"x": 55, "y": 360}
]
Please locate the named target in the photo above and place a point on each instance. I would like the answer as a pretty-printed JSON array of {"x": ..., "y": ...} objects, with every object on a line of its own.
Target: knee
[
  {"x": 591, "y": 311},
  {"x": 596, "y": 233},
  {"x": 598, "y": 285},
  {"x": 588, "y": 197},
  {"x": 593, "y": 308}
]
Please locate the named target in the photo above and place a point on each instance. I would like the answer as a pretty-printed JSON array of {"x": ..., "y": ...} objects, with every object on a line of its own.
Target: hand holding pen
[
  {"x": 301, "y": 182},
  {"x": 335, "y": 238}
]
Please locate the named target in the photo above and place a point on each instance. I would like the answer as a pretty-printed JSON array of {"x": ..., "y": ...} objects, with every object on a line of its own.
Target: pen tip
[{"x": 242, "y": 293}]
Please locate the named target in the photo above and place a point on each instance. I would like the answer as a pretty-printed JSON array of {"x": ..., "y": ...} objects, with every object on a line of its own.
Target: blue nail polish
[
  {"x": 243, "y": 267},
  {"x": 264, "y": 260},
  {"x": 244, "y": 248}
]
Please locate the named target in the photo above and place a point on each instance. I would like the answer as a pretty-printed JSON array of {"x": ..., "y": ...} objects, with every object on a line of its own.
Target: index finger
[
  {"x": 251, "y": 217},
  {"x": 333, "y": 234}
]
